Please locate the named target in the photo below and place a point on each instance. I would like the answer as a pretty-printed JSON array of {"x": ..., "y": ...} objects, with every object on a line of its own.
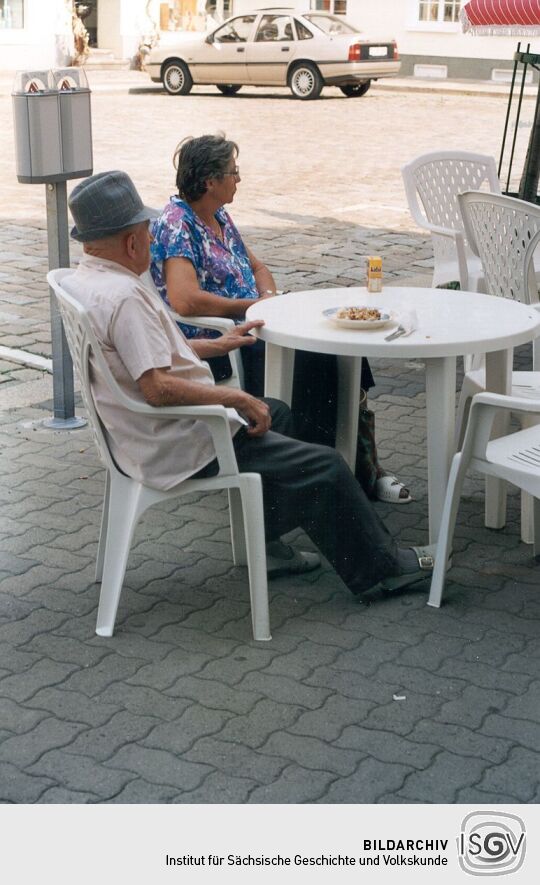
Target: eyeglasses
[{"x": 235, "y": 172}]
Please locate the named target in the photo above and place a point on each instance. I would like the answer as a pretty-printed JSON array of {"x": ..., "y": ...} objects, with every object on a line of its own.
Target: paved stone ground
[{"x": 181, "y": 705}]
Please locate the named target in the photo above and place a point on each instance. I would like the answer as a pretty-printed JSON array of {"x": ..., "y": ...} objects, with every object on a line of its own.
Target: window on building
[
  {"x": 221, "y": 9},
  {"x": 442, "y": 11},
  {"x": 338, "y": 7},
  {"x": 11, "y": 13}
]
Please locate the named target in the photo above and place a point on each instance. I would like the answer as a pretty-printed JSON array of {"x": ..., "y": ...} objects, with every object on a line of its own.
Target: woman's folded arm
[{"x": 188, "y": 299}]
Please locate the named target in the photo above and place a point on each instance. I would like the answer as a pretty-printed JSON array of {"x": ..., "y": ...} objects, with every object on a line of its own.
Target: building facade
[
  {"x": 34, "y": 33},
  {"x": 38, "y": 33},
  {"x": 430, "y": 38}
]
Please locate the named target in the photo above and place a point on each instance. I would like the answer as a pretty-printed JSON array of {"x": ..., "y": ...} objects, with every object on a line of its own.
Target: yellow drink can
[{"x": 374, "y": 273}]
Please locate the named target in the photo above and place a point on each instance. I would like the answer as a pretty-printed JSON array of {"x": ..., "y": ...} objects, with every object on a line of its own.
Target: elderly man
[{"x": 303, "y": 485}]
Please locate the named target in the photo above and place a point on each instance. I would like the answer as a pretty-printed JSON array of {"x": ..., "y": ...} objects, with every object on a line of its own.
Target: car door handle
[
  {"x": 285, "y": 48},
  {"x": 240, "y": 49}
]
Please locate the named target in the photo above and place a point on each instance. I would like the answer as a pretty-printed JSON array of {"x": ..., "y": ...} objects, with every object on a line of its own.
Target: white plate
[{"x": 331, "y": 314}]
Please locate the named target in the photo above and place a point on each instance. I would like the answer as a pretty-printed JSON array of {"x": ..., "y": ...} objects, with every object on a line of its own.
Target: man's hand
[
  {"x": 237, "y": 337},
  {"x": 257, "y": 413},
  {"x": 159, "y": 388}
]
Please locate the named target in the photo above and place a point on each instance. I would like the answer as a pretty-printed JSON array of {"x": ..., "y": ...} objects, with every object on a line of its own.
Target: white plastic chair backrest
[
  {"x": 437, "y": 179},
  {"x": 504, "y": 233},
  {"x": 83, "y": 342}
]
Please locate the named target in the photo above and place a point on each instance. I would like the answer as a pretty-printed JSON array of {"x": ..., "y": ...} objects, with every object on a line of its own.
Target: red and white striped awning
[{"x": 510, "y": 17}]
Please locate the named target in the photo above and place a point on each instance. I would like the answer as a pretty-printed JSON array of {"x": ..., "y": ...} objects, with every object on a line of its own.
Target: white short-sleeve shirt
[{"x": 136, "y": 333}]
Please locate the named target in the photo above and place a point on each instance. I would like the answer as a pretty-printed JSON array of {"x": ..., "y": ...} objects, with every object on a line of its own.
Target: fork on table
[
  {"x": 408, "y": 324},
  {"x": 396, "y": 333}
]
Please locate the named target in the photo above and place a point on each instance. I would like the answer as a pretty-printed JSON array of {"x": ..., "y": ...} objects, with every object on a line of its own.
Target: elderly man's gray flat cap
[{"x": 104, "y": 204}]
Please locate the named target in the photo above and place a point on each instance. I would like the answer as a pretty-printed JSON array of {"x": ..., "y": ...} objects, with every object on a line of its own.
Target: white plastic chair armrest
[
  {"x": 144, "y": 408},
  {"x": 220, "y": 324},
  {"x": 415, "y": 208},
  {"x": 215, "y": 417},
  {"x": 450, "y": 232},
  {"x": 459, "y": 242},
  {"x": 420, "y": 221},
  {"x": 510, "y": 403},
  {"x": 435, "y": 229},
  {"x": 484, "y": 409}
]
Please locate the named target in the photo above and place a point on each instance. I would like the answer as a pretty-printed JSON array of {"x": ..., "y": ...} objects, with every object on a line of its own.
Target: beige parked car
[{"x": 276, "y": 47}]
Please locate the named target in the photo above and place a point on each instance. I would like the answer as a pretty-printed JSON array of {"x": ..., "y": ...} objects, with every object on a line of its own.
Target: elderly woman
[{"x": 202, "y": 267}]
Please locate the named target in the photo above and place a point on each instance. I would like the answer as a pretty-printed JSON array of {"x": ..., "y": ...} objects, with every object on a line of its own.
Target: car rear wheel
[
  {"x": 305, "y": 81},
  {"x": 228, "y": 88},
  {"x": 352, "y": 90},
  {"x": 177, "y": 79}
]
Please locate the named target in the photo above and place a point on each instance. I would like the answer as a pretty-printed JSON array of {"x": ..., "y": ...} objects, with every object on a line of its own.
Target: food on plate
[{"x": 366, "y": 314}]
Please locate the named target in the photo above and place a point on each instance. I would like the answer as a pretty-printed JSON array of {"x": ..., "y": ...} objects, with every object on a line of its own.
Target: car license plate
[{"x": 378, "y": 50}]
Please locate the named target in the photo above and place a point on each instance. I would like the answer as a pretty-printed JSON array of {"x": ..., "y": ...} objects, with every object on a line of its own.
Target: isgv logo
[{"x": 491, "y": 843}]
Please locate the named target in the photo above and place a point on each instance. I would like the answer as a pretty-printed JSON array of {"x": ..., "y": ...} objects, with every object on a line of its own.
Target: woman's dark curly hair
[{"x": 198, "y": 159}]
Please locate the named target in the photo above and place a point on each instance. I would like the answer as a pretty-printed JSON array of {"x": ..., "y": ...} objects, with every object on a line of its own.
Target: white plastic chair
[
  {"x": 504, "y": 233},
  {"x": 514, "y": 458},
  {"x": 220, "y": 324},
  {"x": 127, "y": 499},
  {"x": 432, "y": 184}
]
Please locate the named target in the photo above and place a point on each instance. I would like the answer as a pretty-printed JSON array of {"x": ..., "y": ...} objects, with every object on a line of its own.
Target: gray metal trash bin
[
  {"x": 53, "y": 143},
  {"x": 53, "y": 127}
]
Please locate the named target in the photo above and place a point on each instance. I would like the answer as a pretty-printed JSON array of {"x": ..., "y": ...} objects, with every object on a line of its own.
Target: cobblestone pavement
[{"x": 181, "y": 705}]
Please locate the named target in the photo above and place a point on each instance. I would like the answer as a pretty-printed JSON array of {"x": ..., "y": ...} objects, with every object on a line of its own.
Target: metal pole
[
  {"x": 58, "y": 243},
  {"x": 521, "y": 92},
  {"x": 511, "y": 96}
]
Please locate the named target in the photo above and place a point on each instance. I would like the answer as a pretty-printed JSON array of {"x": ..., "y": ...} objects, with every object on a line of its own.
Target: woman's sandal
[{"x": 388, "y": 488}]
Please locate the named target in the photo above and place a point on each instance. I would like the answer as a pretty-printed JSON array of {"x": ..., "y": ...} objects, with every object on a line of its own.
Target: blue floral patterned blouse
[{"x": 222, "y": 268}]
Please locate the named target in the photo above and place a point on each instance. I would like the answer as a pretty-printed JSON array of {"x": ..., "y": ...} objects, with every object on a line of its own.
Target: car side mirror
[{"x": 209, "y": 39}]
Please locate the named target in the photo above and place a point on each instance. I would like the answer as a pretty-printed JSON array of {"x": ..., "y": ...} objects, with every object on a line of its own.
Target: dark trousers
[
  {"x": 310, "y": 486},
  {"x": 315, "y": 390}
]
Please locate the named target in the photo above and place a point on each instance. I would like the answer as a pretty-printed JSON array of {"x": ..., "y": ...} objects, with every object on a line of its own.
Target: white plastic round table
[{"x": 450, "y": 324}]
